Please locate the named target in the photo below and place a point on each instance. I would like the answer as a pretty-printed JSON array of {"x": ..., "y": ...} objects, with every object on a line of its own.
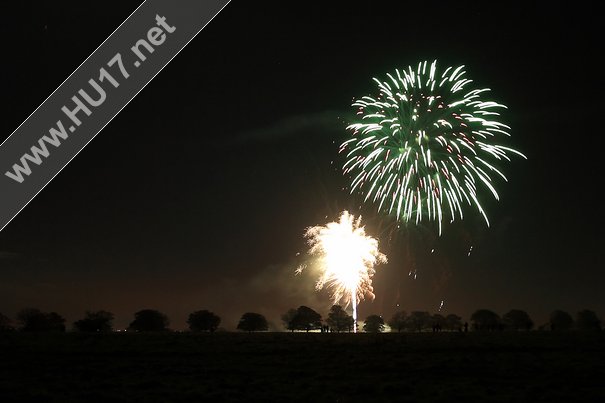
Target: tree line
[
  {"x": 146, "y": 320},
  {"x": 306, "y": 319}
]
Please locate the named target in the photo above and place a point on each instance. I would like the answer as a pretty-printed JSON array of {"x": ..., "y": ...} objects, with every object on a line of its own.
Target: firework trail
[
  {"x": 425, "y": 145},
  {"x": 346, "y": 259}
]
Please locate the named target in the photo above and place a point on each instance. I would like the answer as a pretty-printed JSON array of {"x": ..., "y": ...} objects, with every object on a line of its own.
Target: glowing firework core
[{"x": 346, "y": 260}]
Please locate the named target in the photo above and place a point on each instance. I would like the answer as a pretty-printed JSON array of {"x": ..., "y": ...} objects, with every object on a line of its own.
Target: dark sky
[{"x": 197, "y": 194}]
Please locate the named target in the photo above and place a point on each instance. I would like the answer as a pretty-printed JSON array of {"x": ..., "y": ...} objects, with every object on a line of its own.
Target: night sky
[{"x": 197, "y": 194}]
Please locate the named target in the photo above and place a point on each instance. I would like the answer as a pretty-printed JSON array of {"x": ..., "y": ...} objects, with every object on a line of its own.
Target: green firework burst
[{"x": 426, "y": 145}]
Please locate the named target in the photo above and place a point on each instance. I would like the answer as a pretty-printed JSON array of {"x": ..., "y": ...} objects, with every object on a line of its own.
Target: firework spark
[
  {"x": 346, "y": 260},
  {"x": 425, "y": 144}
]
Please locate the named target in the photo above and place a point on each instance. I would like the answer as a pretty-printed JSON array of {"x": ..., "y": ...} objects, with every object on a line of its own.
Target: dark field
[{"x": 177, "y": 367}]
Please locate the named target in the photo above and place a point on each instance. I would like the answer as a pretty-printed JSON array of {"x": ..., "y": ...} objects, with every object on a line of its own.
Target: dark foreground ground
[{"x": 469, "y": 367}]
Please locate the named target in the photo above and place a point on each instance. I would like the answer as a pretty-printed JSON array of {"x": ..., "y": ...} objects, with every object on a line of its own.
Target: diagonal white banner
[{"x": 94, "y": 94}]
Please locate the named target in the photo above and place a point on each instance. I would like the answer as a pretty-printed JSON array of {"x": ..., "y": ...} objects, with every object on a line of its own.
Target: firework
[
  {"x": 346, "y": 260},
  {"x": 426, "y": 144}
]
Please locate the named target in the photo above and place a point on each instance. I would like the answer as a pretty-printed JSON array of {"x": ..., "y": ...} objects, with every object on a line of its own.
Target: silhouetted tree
[
  {"x": 438, "y": 322},
  {"x": 418, "y": 321},
  {"x": 305, "y": 319},
  {"x": 98, "y": 321},
  {"x": 34, "y": 320},
  {"x": 397, "y": 321},
  {"x": 287, "y": 319},
  {"x": 203, "y": 321},
  {"x": 560, "y": 320},
  {"x": 252, "y": 322},
  {"x": 517, "y": 319},
  {"x": 149, "y": 320},
  {"x": 6, "y": 324},
  {"x": 587, "y": 320},
  {"x": 484, "y": 319},
  {"x": 339, "y": 320},
  {"x": 453, "y": 322},
  {"x": 373, "y": 324}
]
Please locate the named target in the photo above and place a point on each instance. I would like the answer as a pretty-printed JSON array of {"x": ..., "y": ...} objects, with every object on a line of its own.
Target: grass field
[{"x": 180, "y": 367}]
